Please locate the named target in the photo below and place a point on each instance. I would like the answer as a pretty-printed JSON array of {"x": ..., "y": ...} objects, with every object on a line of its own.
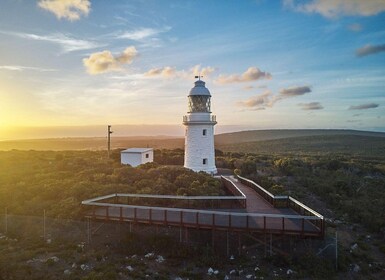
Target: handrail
[
  {"x": 178, "y": 197},
  {"x": 186, "y": 210},
  {"x": 306, "y": 207},
  {"x": 234, "y": 186},
  {"x": 258, "y": 186},
  {"x": 306, "y": 222},
  {"x": 272, "y": 199}
]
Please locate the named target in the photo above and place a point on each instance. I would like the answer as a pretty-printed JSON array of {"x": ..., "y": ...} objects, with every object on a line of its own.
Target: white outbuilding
[{"x": 137, "y": 156}]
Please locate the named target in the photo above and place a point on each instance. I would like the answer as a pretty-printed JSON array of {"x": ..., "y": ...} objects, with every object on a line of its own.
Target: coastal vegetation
[{"x": 342, "y": 177}]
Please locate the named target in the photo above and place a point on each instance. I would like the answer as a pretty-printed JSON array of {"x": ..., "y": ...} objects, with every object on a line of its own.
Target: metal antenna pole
[{"x": 109, "y": 132}]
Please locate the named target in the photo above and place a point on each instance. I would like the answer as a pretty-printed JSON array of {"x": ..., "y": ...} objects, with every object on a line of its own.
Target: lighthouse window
[
  {"x": 204, "y": 132},
  {"x": 199, "y": 103},
  {"x": 147, "y": 155},
  {"x": 205, "y": 161}
]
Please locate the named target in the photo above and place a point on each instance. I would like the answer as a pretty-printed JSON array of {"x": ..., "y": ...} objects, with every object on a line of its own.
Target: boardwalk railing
[
  {"x": 205, "y": 219},
  {"x": 236, "y": 199},
  {"x": 285, "y": 201},
  {"x": 140, "y": 208}
]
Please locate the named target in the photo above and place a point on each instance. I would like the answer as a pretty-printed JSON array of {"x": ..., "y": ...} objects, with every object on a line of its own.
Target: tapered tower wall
[{"x": 199, "y": 134}]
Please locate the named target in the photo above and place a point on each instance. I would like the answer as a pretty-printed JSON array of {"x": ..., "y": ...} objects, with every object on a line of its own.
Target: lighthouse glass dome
[{"x": 199, "y": 98}]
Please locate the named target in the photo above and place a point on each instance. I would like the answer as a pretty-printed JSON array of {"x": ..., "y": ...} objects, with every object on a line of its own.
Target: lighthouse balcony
[{"x": 202, "y": 118}]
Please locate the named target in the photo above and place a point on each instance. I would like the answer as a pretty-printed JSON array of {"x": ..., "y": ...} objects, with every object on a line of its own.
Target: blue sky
[{"x": 268, "y": 64}]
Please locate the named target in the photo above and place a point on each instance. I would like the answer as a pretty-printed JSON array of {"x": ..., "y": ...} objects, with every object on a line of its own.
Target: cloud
[
  {"x": 369, "y": 49},
  {"x": 166, "y": 72},
  {"x": 68, "y": 44},
  {"x": 68, "y": 9},
  {"x": 197, "y": 70},
  {"x": 356, "y": 27},
  {"x": 364, "y": 106},
  {"x": 248, "y": 87},
  {"x": 267, "y": 99},
  {"x": 169, "y": 72},
  {"x": 353, "y": 121},
  {"x": 143, "y": 33},
  {"x": 251, "y": 74},
  {"x": 20, "y": 68},
  {"x": 101, "y": 62},
  {"x": 258, "y": 102},
  {"x": 311, "y": 106},
  {"x": 294, "y": 91},
  {"x": 337, "y": 8}
]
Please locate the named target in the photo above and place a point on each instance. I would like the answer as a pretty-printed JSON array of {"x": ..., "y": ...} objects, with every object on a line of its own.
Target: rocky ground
[{"x": 22, "y": 259}]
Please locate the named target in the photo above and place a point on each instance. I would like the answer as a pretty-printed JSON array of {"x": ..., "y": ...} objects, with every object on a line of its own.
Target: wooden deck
[{"x": 258, "y": 216}]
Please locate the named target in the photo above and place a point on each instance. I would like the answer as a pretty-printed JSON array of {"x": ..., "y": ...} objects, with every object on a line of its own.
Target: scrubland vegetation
[
  {"x": 344, "y": 182},
  {"x": 31, "y": 181}
]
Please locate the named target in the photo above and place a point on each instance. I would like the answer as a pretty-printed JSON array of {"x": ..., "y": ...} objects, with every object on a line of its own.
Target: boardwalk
[
  {"x": 259, "y": 215},
  {"x": 256, "y": 204}
]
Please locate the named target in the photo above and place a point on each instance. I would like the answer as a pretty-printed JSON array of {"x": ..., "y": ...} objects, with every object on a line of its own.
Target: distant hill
[
  {"x": 256, "y": 141},
  {"x": 93, "y": 143},
  {"x": 260, "y": 135},
  {"x": 350, "y": 145}
]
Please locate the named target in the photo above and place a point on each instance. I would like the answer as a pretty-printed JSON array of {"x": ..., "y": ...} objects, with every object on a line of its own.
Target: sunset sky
[{"x": 268, "y": 64}]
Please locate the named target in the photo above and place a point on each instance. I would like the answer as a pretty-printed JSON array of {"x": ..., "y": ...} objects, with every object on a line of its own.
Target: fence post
[
  {"x": 150, "y": 214},
  {"x": 336, "y": 252},
  {"x": 44, "y": 224},
  {"x": 88, "y": 230},
  {"x": 6, "y": 220}
]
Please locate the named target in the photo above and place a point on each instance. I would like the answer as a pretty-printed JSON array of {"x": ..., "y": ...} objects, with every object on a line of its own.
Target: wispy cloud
[
  {"x": 268, "y": 99},
  {"x": 311, "y": 106},
  {"x": 68, "y": 9},
  {"x": 337, "y": 8},
  {"x": 169, "y": 72},
  {"x": 251, "y": 74},
  {"x": 294, "y": 91},
  {"x": 356, "y": 27},
  {"x": 364, "y": 106},
  {"x": 101, "y": 62},
  {"x": 166, "y": 72},
  {"x": 20, "y": 68},
  {"x": 248, "y": 87},
  {"x": 257, "y": 102},
  {"x": 67, "y": 43},
  {"x": 202, "y": 71},
  {"x": 143, "y": 33},
  {"x": 370, "y": 49}
]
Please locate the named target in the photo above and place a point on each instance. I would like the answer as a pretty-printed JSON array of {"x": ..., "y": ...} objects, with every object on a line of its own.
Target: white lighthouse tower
[{"x": 199, "y": 153}]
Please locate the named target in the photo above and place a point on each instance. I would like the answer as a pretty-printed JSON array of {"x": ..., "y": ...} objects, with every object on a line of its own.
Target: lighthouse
[{"x": 199, "y": 153}]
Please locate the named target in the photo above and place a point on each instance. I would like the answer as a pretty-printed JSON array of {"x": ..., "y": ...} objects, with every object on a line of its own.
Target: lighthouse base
[{"x": 212, "y": 170}]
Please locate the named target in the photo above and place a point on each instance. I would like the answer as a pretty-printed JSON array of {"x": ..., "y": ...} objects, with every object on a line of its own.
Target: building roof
[
  {"x": 137, "y": 150},
  {"x": 199, "y": 89}
]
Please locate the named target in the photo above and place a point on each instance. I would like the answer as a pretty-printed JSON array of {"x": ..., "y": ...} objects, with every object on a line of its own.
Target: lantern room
[{"x": 199, "y": 98}]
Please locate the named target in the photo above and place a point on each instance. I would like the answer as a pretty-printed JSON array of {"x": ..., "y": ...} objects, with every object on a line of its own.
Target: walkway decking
[
  {"x": 259, "y": 215},
  {"x": 256, "y": 204}
]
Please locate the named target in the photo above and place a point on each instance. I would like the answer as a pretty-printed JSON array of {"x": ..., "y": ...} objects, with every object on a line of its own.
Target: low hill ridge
[{"x": 273, "y": 134}]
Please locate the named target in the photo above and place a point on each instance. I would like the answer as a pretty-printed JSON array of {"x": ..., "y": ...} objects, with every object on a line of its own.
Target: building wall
[
  {"x": 150, "y": 157},
  {"x": 135, "y": 159},
  {"x": 199, "y": 147}
]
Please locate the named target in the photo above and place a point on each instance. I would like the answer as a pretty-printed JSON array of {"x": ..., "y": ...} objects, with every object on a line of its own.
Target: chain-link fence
[{"x": 44, "y": 227}]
